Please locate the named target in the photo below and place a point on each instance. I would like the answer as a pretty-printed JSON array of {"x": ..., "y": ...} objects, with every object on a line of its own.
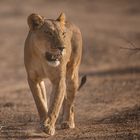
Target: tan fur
[{"x": 53, "y": 50}]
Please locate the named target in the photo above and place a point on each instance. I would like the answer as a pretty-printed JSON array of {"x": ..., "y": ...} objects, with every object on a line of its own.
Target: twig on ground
[{"x": 133, "y": 46}]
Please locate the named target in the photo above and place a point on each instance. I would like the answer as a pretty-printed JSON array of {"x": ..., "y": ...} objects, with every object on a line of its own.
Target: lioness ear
[
  {"x": 35, "y": 21},
  {"x": 62, "y": 18}
]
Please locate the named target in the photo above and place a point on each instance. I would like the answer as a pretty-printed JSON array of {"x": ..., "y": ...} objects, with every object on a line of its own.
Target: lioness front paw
[
  {"x": 48, "y": 128},
  {"x": 67, "y": 125}
]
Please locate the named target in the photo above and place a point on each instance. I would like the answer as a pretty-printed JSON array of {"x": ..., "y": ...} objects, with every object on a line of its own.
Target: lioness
[{"x": 53, "y": 50}]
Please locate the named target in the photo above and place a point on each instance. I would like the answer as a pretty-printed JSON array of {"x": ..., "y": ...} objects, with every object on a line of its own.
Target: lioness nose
[{"x": 61, "y": 48}]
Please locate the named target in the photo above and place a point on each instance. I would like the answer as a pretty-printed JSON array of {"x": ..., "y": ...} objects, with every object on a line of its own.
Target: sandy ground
[{"x": 108, "y": 106}]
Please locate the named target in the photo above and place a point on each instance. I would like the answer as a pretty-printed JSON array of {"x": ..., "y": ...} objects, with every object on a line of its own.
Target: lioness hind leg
[{"x": 68, "y": 104}]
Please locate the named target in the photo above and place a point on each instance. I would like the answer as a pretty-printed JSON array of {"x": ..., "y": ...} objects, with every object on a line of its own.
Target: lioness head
[{"x": 48, "y": 36}]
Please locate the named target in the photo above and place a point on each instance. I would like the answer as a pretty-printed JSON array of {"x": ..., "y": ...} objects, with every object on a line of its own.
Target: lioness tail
[{"x": 83, "y": 81}]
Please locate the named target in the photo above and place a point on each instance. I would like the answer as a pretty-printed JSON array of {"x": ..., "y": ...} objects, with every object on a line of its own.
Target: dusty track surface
[{"x": 108, "y": 107}]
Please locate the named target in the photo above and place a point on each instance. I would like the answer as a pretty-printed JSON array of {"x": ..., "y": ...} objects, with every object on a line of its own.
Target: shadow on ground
[{"x": 113, "y": 72}]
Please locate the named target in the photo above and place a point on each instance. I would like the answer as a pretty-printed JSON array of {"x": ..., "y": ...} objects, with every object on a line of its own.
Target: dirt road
[{"x": 108, "y": 107}]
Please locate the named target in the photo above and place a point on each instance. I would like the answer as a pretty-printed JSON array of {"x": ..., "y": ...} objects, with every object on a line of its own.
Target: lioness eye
[
  {"x": 64, "y": 33},
  {"x": 48, "y": 33}
]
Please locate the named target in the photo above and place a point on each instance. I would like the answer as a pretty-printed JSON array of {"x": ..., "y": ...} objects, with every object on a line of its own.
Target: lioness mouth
[{"x": 53, "y": 59}]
